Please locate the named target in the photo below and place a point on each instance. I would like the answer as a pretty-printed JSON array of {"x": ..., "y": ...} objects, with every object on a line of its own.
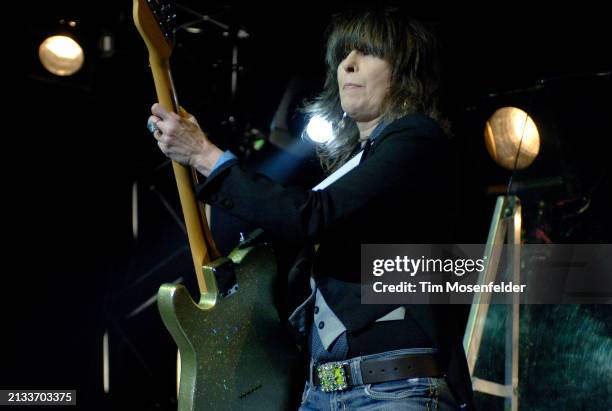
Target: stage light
[
  {"x": 106, "y": 45},
  {"x": 319, "y": 130},
  {"x": 61, "y": 55},
  {"x": 512, "y": 138}
]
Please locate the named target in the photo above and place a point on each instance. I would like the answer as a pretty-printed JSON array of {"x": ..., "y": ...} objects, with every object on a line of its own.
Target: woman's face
[{"x": 364, "y": 82}]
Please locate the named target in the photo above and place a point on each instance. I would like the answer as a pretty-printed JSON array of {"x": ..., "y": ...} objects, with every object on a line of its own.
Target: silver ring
[{"x": 152, "y": 126}]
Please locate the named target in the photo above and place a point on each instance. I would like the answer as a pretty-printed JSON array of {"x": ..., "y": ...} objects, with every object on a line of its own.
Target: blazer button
[
  {"x": 227, "y": 203},
  {"x": 321, "y": 325},
  {"x": 213, "y": 197}
]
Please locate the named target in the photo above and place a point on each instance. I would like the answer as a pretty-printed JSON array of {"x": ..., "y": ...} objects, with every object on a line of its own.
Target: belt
[{"x": 338, "y": 375}]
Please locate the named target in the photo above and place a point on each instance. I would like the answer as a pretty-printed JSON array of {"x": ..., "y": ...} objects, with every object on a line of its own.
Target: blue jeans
[{"x": 414, "y": 394}]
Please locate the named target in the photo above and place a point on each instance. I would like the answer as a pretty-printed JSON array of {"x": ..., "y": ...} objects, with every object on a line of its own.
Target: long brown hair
[{"x": 408, "y": 47}]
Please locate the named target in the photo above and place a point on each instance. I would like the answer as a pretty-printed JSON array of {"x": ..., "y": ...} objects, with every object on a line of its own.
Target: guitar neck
[
  {"x": 164, "y": 86},
  {"x": 203, "y": 249}
]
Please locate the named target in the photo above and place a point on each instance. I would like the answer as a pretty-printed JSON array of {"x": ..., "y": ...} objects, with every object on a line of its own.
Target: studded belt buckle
[{"x": 332, "y": 376}]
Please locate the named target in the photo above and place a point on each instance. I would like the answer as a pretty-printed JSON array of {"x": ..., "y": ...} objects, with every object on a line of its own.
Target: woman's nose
[{"x": 349, "y": 64}]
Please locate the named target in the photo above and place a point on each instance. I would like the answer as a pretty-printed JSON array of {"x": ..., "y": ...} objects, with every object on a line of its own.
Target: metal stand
[{"x": 506, "y": 221}]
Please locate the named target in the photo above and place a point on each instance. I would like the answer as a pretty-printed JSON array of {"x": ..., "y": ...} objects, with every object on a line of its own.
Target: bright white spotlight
[
  {"x": 61, "y": 55},
  {"x": 319, "y": 130}
]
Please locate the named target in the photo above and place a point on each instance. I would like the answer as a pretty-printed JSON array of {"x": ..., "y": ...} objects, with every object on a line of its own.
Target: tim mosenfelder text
[{"x": 459, "y": 267}]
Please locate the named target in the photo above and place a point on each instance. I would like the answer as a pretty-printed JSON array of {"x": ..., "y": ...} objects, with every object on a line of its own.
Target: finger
[
  {"x": 163, "y": 147},
  {"x": 184, "y": 113},
  {"x": 168, "y": 127},
  {"x": 157, "y": 135},
  {"x": 188, "y": 116},
  {"x": 192, "y": 120},
  {"x": 161, "y": 112}
]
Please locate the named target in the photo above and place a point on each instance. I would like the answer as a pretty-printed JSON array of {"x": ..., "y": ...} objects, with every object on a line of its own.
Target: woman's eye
[{"x": 361, "y": 52}]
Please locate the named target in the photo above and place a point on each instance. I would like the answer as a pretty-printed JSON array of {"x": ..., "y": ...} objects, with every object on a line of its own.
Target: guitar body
[{"x": 234, "y": 353}]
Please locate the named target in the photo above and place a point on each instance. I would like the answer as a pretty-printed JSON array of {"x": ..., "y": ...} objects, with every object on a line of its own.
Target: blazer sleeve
[{"x": 401, "y": 164}]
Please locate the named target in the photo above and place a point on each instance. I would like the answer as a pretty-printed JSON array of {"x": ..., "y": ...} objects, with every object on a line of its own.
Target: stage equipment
[{"x": 61, "y": 54}]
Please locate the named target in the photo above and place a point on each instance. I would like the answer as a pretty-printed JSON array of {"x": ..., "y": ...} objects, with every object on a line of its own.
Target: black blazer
[{"x": 402, "y": 192}]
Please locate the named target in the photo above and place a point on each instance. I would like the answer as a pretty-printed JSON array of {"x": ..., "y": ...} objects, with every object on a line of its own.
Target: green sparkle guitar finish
[{"x": 234, "y": 354}]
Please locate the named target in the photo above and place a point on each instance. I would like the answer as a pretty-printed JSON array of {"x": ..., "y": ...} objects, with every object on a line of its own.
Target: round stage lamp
[
  {"x": 319, "y": 130},
  {"x": 61, "y": 55},
  {"x": 510, "y": 133}
]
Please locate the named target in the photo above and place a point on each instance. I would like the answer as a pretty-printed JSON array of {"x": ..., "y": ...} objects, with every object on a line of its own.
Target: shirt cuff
[
  {"x": 204, "y": 189},
  {"x": 224, "y": 158}
]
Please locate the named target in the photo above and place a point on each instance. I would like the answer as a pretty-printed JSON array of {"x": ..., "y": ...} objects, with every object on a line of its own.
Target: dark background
[{"x": 80, "y": 273}]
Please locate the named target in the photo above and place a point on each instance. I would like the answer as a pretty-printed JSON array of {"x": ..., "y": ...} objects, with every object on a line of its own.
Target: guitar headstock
[{"x": 156, "y": 20}]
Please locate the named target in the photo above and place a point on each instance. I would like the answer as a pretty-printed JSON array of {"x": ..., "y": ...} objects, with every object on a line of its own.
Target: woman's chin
[{"x": 361, "y": 117}]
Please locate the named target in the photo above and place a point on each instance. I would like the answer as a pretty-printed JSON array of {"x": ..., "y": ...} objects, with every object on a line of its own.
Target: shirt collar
[{"x": 377, "y": 131}]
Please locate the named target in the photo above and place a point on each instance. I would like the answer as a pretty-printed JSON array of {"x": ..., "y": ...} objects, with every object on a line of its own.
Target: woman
[{"x": 380, "y": 94}]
